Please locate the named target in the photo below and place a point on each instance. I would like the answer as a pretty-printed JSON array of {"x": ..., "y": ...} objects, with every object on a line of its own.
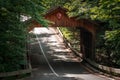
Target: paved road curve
[{"x": 57, "y": 62}]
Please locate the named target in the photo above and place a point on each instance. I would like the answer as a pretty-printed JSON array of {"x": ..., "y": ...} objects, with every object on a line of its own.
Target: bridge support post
[{"x": 87, "y": 43}]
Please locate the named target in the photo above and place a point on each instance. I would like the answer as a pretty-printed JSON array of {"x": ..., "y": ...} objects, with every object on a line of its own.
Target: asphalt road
[{"x": 57, "y": 62}]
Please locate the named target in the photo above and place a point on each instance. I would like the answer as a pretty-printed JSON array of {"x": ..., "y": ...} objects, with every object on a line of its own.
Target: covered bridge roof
[{"x": 59, "y": 17}]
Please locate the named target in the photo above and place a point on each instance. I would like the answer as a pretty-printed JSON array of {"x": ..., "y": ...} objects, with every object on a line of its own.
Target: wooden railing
[{"x": 15, "y": 73}]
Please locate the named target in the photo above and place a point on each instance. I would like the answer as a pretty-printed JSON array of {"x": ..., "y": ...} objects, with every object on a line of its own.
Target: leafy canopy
[{"x": 13, "y": 31}]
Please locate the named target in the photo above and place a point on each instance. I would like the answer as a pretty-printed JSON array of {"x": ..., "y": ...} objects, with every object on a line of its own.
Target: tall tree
[{"x": 13, "y": 31}]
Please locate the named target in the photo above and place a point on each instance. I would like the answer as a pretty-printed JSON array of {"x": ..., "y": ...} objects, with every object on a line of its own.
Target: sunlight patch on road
[
  {"x": 40, "y": 30},
  {"x": 36, "y": 30},
  {"x": 61, "y": 57}
]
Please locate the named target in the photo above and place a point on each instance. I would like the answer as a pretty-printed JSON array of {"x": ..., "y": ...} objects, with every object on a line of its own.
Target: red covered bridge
[{"x": 58, "y": 16}]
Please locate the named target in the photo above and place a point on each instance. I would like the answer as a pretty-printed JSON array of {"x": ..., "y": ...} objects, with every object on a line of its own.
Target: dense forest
[{"x": 13, "y": 31}]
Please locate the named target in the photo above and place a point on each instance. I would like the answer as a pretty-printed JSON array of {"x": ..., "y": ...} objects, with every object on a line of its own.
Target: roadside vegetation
[
  {"x": 108, "y": 48},
  {"x": 72, "y": 35}
]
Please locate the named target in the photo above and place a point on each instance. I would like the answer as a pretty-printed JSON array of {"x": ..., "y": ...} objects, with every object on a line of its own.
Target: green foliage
[
  {"x": 53, "y": 3},
  {"x": 102, "y": 10},
  {"x": 107, "y": 48},
  {"x": 13, "y": 31},
  {"x": 108, "y": 11},
  {"x": 72, "y": 35},
  {"x": 80, "y": 10},
  {"x": 112, "y": 43},
  {"x": 12, "y": 41},
  {"x": 67, "y": 33}
]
